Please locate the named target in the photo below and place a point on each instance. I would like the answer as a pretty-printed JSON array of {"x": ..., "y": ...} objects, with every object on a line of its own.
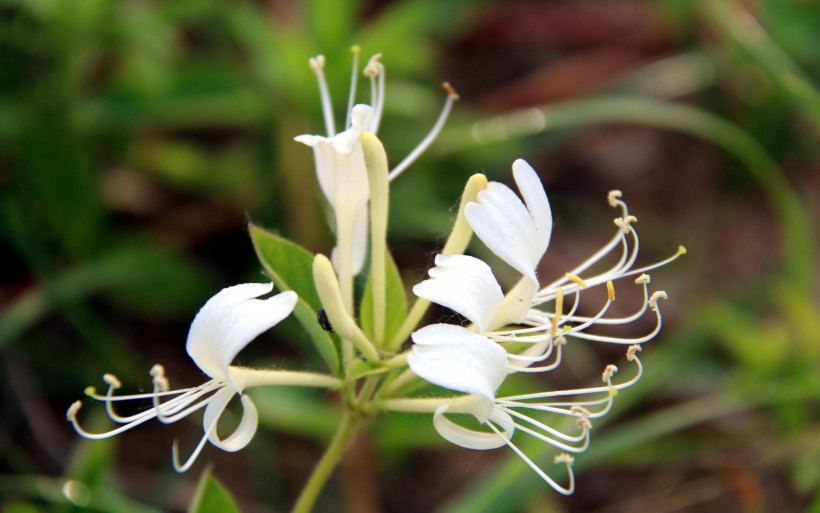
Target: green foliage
[
  {"x": 290, "y": 267},
  {"x": 211, "y": 497}
]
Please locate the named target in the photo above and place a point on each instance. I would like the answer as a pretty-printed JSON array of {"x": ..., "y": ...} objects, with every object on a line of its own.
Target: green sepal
[
  {"x": 211, "y": 496},
  {"x": 396, "y": 302},
  {"x": 290, "y": 266}
]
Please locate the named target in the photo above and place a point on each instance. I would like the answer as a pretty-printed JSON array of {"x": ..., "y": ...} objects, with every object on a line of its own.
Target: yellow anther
[
  {"x": 559, "y": 307},
  {"x": 681, "y": 250},
  {"x": 613, "y": 197},
  {"x": 564, "y": 458},
  {"x": 374, "y": 67},
  {"x": 610, "y": 290},
  {"x": 643, "y": 279},
  {"x": 90, "y": 391},
  {"x": 450, "y": 90},
  {"x": 157, "y": 371},
  {"x": 71, "y": 414},
  {"x": 630, "y": 353},
  {"x": 317, "y": 64},
  {"x": 577, "y": 279},
  {"x": 356, "y": 49},
  {"x": 112, "y": 380},
  {"x": 609, "y": 371},
  {"x": 653, "y": 299}
]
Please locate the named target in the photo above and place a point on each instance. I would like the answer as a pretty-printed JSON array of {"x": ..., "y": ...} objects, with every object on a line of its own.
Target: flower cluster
[{"x": 521, "y": 330}]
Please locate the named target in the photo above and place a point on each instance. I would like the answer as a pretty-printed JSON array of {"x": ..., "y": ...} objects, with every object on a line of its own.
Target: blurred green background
[{"x": 137, "y": 137}]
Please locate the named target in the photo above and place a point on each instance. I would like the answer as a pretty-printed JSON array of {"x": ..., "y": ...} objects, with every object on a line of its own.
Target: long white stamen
[
  {"x": 558, "y": 488},
  {"x": 354, "y": 82},
  {"x": 317, "y": 64},
  {"x": 208, "y": 432},
  {"x": 582, "y": 437},
  {"x": 452, "y": 96}
]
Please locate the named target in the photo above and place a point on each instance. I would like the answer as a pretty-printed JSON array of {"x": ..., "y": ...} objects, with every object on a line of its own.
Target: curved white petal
[
  {"x": 535, "y": 197},
  {"x": 469, "y": 438},
  {"x": 515, "y": 232},
  {"x": 243, "y": 433},
  {"x": 455, "y": 358},
  {"x": 230, "y": 320},
  {"x": 465, "y": 285}
]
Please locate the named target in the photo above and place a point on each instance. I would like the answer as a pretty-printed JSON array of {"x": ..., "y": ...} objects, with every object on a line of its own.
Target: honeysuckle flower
[
  {"x": 463, "y": 361},
  {"x": 221, "y": 329},
  {"x": 516, "y": 232},
  {"x": 519, "y": 233},
  {"x": 340, "y": 165}
]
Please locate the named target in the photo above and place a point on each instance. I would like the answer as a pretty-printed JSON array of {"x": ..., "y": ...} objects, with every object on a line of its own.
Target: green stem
[{"x": 332, "y": 456}]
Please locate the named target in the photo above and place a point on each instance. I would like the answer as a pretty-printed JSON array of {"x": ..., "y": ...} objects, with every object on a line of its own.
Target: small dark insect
[{"x": 324, "y": 322}]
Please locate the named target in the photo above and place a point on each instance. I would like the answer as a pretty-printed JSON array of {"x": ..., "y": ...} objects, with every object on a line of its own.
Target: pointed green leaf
[
  {"x": 211, "y": 496},
  {"x": 290, "y": 267},
  {"x": 396, "y": 302},
  {"x": 359, "y": 368}
]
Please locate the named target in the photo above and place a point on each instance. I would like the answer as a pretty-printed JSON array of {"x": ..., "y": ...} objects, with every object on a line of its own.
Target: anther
[
  {"x": 112, "y": 381},
  {"x": 564, "y": 458},
  {"x": 630, "y": 353},
  {"x": 580, "y": 411},
  {"x": 560, "y": 340},
  {"x": 613, "y": 197},
  {"x": 653, "y": 299},
  {"x": 584, "y": 423},
  {"x": 610, "y": 290},
  {"x": 559, "y": 306},
  {"x": 643, "y": 279},
  {"x": 90, "y": 391},
  {"x": 451, "y": 91},
  {"x": 157, "y": 371},
  {"x": 317, "y": 64},
  {"x": 71, "y": 414},
  {"x": 576, "y": 279},
  {"x": 374, "y": 67},
  {"x": 609, "y": 371},
  {"x": 681, "y": 250}
]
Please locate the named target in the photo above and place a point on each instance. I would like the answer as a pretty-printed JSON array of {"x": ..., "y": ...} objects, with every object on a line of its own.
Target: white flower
[
  {"x": 457, "y": 359},
  {"x": 517, "y": 233},
  {"x": 222, "y": 328},
  {"x": 520, "y": 234},
  {"x": 340, "y": 166}
]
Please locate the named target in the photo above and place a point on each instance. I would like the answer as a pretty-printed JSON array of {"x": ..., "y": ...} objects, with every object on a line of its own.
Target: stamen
[
  {"x": 354, "y": 82},
  {"x": 559, "y": 305},
  {"x": 609, "y": 371},
  {"x": 564, "y": 458},
  {"x": 112, "y": 381},
  {"x": 577, "y": 279},
  {"x": 610, "y": 290},
  {"x": 452, "y": 97},
  {"x": 653, "y": 301},
  {"x": 317, "y": 64},
  {"x": 630, "y": 353},
  {"x": 643, "y": 279},
  {"x": 71, "y": 414},
  {"x": 613, "y": 197},
  {"x": 624, "y": 223}
]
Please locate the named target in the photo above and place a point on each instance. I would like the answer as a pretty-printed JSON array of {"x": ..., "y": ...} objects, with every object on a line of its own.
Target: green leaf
[
  {"x": 290, "y": 266},
  {"x": 396, "y": 302},
  {"x": 211, "y": 497}
]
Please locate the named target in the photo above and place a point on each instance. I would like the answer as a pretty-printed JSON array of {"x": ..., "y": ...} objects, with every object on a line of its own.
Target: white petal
[
  {"x": 469, "y": 438},
  {"x": 537, "y": 203},
  {"x": 230, "y": 320},
  {"x": 465, "y": 285},
  {"x": 243, "y": 433},
  {"x": 455, "y": 358},
  {"x": 517, "y": 234}
]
